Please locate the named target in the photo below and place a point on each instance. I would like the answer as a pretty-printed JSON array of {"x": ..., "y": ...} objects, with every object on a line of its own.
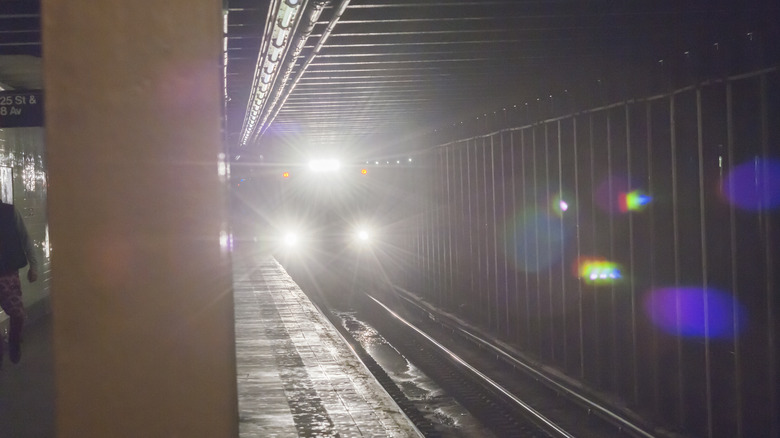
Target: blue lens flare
[
  {"x": 633, "y": 201},
  {"x": 695, "y": 312},
  {"x": 536, "y": 240},
  {"x": 754, "y": 185}
]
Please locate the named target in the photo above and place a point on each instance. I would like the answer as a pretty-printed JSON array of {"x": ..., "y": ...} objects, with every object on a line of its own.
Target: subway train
[
  {"x": 321, "y": 211},
  {"x": 331, "y": 224}
]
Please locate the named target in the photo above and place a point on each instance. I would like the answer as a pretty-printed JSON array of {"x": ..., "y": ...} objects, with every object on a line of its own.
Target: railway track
[{"x": 511, "y": 398}]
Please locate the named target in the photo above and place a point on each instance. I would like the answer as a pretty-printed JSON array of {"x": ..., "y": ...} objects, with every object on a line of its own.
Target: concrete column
[{"x": 141, "y": 280}]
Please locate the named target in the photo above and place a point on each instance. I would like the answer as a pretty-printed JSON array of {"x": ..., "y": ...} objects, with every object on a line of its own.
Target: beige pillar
[{"x": 141, "y": 284}]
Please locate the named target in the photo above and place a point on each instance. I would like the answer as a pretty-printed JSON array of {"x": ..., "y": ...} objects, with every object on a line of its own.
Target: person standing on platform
[{"x": 16, "y": 250}]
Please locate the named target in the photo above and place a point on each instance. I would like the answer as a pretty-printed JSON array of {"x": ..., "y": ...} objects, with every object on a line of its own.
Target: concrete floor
[{"x": 27, "y": 388}]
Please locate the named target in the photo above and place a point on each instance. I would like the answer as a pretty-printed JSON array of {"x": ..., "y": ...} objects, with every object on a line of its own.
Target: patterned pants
[{"x": 11, "y": 302}]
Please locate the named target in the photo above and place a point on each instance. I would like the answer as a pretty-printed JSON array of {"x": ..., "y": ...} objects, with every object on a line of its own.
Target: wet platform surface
[{"x": 296, "y": 375}]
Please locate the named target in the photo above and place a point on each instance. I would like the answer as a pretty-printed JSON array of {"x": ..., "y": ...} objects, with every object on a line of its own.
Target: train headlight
[
  {"x": 324, "y": 166},
  {"x": 291, "y": 239}
]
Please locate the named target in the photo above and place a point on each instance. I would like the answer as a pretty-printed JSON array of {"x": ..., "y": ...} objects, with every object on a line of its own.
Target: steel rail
[
  {"x": 604, "y": 411},
  {"x": 536, "y": 416}
]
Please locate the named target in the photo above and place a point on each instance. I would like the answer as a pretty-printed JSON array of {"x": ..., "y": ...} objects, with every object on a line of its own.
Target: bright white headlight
[
  {"x": 290, "y": 239},
  {"x": 363, "y": 235},
  {"x": 330, "y": 165}
]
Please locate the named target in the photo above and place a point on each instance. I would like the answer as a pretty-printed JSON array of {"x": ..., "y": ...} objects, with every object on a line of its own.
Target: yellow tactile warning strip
[{"x": 296, "y": 375}]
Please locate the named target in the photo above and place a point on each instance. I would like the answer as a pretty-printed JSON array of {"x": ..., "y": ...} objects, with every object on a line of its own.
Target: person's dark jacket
[{"x": 12, "y": 252}]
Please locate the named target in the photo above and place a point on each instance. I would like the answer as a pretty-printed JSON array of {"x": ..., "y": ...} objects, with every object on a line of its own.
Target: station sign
[{"x": 21, "y": 108}]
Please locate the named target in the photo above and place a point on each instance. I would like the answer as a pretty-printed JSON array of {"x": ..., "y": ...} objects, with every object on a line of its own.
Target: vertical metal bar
[
  {"x": 426, "y": 228},
  {"x": 447, "y": 219},
  {"x": 418, "y": 214},
  {"x": 451, "y": 207},
  {"x": 479, "y": 167},
  {"x": 651, "y": 254},
  {"x": 430, "y": 227},
  {"x": 536, "y": 245},
  {"x": 441, "y": 263},
  {"x": 564, "y": 311},
  {"x": 503, "y": 284},
  {"x": 461, "y": 226},
  {"x": 488, "y": 288},
  {"x": 494, "y": 220},
  {"x": 525, "y": 244},
  {"x": 734, "y": 283},
  {"x": 632, "y": 273},
  {"x": 418, "y": 224},
  {"x": 548, "y": 231},
  {"x": 424, "y": 231},
  {"x": 417, "y": 228},
  {"x": 581, "y": 327},
  {"x": 420, "y": 231},
  {"x": 509, "y": 208},
  {"x": 451, "y": 200},
  {"x": 774, "y": 427},
  {"x": 430, "y": 256},
  {"x": 513, "y": 235},
  {"x": 704, "y": 266},
  {"x": 613, "y": 363},
  {"x": 469, "y": 225},
  {"x": 477, "y": 230},
  {"x": 681, "y": 411},
  {"x": 596, "y": 320},
  {"x": 435, "y": 180}
]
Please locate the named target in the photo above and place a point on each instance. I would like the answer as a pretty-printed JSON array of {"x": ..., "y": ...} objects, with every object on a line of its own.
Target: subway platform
[
  {"x": 27, "y": 388},
  {"x": 296, "y": 376}
]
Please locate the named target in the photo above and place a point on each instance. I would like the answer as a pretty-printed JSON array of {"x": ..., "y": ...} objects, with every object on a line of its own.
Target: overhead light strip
[
  {"x": 274, "y": 48},
  {"x": 279, "y": 102}
]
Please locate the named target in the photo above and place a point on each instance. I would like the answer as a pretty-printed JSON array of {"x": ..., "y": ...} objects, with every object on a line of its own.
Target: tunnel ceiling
[
  {"x": 382, "y": 76},
  {"x": 388, "y": 73}
]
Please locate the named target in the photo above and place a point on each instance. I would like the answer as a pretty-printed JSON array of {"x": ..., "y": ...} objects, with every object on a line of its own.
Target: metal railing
[{"x": 672, "y": 195}]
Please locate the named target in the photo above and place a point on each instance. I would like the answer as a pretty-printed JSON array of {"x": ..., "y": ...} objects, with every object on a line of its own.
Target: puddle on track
[{"x": 451, "y": 419}]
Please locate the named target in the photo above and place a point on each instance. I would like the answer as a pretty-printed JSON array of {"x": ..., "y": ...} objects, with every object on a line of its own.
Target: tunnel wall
[{"x": 675, "y": 196}]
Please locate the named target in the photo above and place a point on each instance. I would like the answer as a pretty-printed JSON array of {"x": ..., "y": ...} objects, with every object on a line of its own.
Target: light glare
[
  {"x": 329, "y": 165},
  {"x": 290, "y": 239}
]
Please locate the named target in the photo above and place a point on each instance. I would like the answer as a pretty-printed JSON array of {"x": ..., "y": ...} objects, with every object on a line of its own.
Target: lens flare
[
  {"x": 695, "y": 312},
  {"x": 558, "y": 205},
  {"x": 633, "y": 201},
  {"x": 754, "y": 185},
  {"x": 597, "y": 270},
  {"x": 536, "y": 241}
]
